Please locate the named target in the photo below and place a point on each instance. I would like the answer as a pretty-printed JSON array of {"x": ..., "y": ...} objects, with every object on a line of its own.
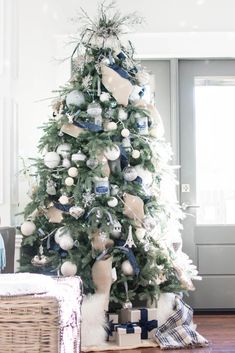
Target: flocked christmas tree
[{"x": 104, "y": 206}]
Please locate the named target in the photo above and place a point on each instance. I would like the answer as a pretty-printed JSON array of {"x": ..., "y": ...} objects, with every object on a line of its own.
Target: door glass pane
[{"x": 215, "y": 149}]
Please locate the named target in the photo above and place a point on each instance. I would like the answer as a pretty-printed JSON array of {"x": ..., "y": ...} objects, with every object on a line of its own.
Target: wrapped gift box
[
  {"x": 47, "y": 323},
  {"x": 112, "y": 322},
  {"x": 128, "y": 335},
  {"x": 146, "y": 318}
]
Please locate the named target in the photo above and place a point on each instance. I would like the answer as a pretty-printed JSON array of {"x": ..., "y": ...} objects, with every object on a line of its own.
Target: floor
[{"x": 218, "y": 329}]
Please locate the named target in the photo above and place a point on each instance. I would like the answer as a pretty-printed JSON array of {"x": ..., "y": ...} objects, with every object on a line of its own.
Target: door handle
[{"x": 185, "y": 206}]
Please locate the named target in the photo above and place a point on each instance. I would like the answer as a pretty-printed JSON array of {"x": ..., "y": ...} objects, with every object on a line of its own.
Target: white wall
[{"x": 35, "y": 33}]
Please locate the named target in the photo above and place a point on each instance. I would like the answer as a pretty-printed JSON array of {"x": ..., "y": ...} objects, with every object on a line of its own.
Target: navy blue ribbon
[
  {"x": 87, "y": 125},
  {"x": 64, "y": 208},
  {"x": 123, "y": 157},
  {"x": 121, "y": 56},
  {"x": 130, "y": 255},
  {"x": 146, "y": 326},
  {"x": 123, "y": 73},
  {"x": 129, "y": 327}
]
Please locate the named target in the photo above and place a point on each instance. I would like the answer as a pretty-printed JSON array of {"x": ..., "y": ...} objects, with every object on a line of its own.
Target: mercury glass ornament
[
  {"x": 69, "y": 181},
  {"x": 92, "y": 163},
  {"x": 51, "y": 187},
  {"x": 64, "y": 150},
  {"x": 112, "y": 153},
  {"x": 76, "y": 211},
  {"x": 78, "y": 157},
  {"x": 129, "y": 173},
  {"x": 94, "y": 109}
]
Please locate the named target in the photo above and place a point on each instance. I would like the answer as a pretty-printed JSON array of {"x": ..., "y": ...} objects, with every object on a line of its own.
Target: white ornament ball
[
  {"x": 125, "y": 132},
  {"x": 140, "y": 233},
  {"x": 75, "y": 98},
  {"x": 52, "y": 160},
  {"x": 135, "y": 154},
  {"x": 104, "y": 97},
  {"x": 68, "y": 269},
  {"x": 66, "y": 163},
  {"x": 111, "y": 126},
  {"x": 112, "y": 153},
  {"x": 122, "y": 114},
  {"x": 73, "y": 172},
  {"x": 144, "y": 174},
  {"x": 64, "y": 149},
  {"x": 127, "y": 269},
  {"x": 66, "y": 242},
  {"x": 64, "y": 200},
  {"x": 62, "y": 231},
  {"x": 28, "y": 228},
  {"x": 112, "y": 202},
  {"x": 69, "y": 181}
]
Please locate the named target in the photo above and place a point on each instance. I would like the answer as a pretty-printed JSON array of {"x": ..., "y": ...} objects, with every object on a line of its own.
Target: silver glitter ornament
[{"x": 129, "y": 173}]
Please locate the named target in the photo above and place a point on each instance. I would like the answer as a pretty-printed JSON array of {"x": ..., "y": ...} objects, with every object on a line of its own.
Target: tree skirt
[{"x": 112, "y": 346}]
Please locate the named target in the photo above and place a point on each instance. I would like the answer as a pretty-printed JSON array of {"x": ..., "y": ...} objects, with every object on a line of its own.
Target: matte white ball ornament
[
  {"x": 73, "y": 172},
  {"x": 111, "y": 126},
  {"x": 127, "y": 269},
  {"x": 135, "y": 154},
  {"x": 28, "y": 228},
  {"x": 69, "y": 181},
  {"x": 64, "y": 150},
  {"x": 66, "y": 242},
  {"x": 68, "y": 269},
  {"x": 75, "y": 98},
  {"x": 113, "y": 202},
  {"x": 112, "y": 153},
  {"x": 52, "y": 160},
  {"x": 64, "y": 200},
  {"x": 125, "y": 132},
  {"x": 62, "y": 231}
]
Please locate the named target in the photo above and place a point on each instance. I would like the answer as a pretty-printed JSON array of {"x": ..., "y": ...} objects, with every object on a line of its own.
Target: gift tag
[{"x": 72, "y": 130}]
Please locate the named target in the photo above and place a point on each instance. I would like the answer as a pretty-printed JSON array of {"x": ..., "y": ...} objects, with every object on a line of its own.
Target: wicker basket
[{"x": 29, "y": 324}]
